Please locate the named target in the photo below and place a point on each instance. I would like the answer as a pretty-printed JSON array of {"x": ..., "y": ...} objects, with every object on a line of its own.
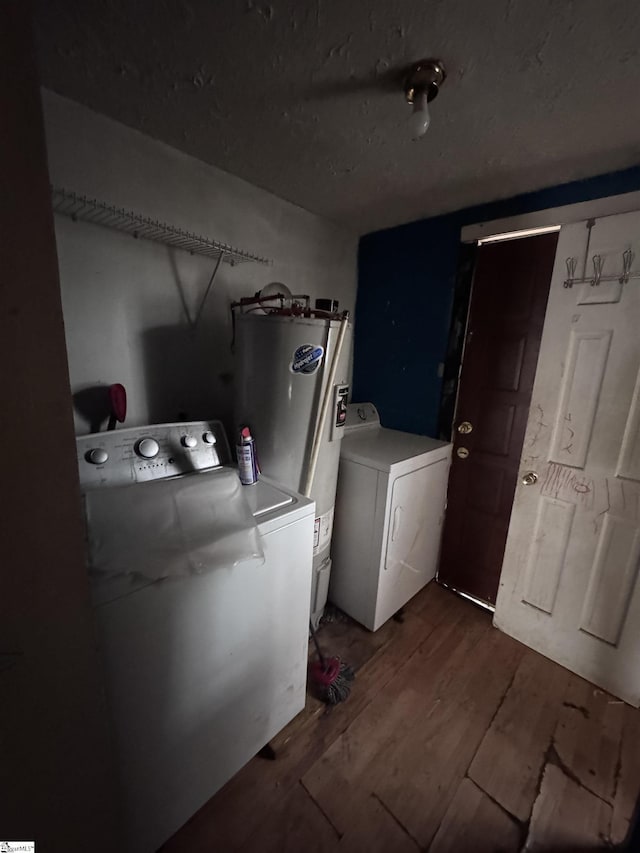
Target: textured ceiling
[{"x": 303, "y": 98}]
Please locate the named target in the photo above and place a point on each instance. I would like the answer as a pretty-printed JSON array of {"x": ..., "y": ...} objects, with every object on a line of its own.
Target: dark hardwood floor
[{"x": 455, "y": 738}]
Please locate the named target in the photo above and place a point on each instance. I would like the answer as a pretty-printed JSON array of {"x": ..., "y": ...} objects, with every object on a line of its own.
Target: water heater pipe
[{"x": 324, "y": 408}]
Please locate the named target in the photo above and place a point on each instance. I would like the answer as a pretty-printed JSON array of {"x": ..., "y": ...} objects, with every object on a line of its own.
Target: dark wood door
[{"x": 506, "y": 316}]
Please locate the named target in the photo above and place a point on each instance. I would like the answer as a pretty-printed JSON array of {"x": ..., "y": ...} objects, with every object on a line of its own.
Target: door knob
[
  {"x": 529, "y": 478},
  {"x": 465, "y": 428}
]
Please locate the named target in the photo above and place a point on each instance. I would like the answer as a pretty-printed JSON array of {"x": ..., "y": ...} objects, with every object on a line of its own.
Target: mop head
[{"x": 333, "y": 680}]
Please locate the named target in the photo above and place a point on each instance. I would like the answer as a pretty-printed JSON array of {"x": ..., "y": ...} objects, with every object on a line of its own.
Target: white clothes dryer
[{"x": 390, "y": 507}]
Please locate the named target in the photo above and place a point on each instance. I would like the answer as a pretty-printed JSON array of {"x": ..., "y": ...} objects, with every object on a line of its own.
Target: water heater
[{"x": 283, "y": 361}]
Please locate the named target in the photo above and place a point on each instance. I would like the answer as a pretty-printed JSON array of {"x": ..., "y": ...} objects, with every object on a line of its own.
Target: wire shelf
[{"x": 84, "y": 209}]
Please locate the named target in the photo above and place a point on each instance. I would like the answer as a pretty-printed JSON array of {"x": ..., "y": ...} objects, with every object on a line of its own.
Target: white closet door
[{"x": 569, "y": 582}]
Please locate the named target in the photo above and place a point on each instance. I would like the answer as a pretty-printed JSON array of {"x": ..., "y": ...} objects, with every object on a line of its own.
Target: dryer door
[{"x": 413, "y": 539}]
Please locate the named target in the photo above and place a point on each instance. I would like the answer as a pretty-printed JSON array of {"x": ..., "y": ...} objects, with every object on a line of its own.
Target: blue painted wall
[{"x": 405, "y": 288}]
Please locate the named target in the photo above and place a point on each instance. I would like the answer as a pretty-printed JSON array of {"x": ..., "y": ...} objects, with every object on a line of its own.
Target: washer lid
[
  {"x": 263, "y": 497},
  {"x": 381, "y": 448}
]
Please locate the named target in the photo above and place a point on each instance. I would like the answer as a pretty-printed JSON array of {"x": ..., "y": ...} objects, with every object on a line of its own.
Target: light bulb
[{"x": 420, "y": 119}]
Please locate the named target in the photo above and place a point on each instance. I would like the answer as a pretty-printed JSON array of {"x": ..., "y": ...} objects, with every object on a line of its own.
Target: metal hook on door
[
  {"x": 627, "y": 261},
  {"x": 572, "y": 263},
  {"x": 598, "y": 264}
]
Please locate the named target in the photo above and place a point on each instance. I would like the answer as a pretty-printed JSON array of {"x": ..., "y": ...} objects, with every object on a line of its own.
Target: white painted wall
[{"x": 125, "y": 301}]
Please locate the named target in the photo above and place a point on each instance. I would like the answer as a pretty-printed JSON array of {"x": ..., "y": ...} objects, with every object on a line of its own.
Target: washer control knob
[
  {"x": 209, "y": 437},
  {"x": 189, "y": 441},
  {"x": 148, "y": 448},
  {"x": 97, "y": 456}
]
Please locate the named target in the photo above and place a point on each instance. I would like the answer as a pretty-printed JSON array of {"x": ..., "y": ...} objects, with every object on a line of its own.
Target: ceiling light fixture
[{"x": 421, "y": 86}]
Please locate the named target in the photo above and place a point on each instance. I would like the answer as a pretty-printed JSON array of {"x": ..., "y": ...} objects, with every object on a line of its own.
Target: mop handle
[{"x": 315, "y": 643}]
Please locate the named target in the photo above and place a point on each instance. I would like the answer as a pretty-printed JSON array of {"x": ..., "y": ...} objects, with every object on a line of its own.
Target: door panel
[
  {"x": 506, "y": 317},
  {"x": 551, "y": 538},
  {"x": 495, "y": 427},
  {"x": 629, "y": 459},
  {"x": 509, "y": 366},
  {"x": 569, "y": 586},
  {"x": 586, "y": 362}
]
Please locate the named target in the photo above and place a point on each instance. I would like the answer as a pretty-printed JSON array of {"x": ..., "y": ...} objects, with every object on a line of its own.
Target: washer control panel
[{"x": 135, "y": 455}]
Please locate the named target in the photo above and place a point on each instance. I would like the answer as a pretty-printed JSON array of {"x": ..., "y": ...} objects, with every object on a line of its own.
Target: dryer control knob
[
  {"x": 209, "y": 437},
  {"x": 97, "y": 456},
  {"x": 189, "y": 441},
  {"x": 148, "y": 448}
]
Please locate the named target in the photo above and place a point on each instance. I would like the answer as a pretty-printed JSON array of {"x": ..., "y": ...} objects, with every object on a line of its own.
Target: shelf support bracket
[{"x": 209, "y": 286}]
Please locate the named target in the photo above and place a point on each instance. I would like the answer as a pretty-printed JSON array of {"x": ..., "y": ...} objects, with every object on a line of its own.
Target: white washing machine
[
  {"x": 390, "y": 507},
  {"x": 203, "y": 639}
]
